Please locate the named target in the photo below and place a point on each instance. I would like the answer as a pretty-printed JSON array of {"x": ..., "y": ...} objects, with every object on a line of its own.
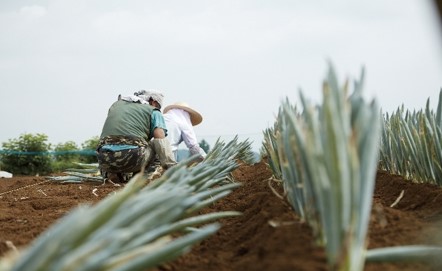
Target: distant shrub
[
  {"x": 204, "y": 145},
  {"x": 63, "y": 151},
  {"x": 27, "y": 155},
  {"x": 89, "y": 146},
  {"x": 65, "y": 156}
]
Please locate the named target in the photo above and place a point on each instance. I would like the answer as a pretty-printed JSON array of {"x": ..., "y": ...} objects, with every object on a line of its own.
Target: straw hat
[{"x": 195, "y": 117}]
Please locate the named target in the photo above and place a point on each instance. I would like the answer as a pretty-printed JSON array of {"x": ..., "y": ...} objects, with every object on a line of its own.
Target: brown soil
[{"x": 29, "y": 205}]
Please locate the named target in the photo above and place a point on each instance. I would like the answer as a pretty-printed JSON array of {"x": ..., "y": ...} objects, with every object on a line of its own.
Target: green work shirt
[{"x": 132, "y": 119}]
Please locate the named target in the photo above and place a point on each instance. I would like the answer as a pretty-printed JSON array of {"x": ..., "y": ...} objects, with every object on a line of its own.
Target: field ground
[{"x": 268, "y": 236}]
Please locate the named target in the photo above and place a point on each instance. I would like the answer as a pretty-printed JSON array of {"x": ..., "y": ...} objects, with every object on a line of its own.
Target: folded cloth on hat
[
  {"x": 136, "y": 99},
  {"x": 156, "y": 95},
  {"x": 143, "y": 96}
]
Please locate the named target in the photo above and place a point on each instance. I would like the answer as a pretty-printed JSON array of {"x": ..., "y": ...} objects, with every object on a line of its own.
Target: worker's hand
[
  {"x": 159, "y": 133},
  {"x": 162, "y": 148}
]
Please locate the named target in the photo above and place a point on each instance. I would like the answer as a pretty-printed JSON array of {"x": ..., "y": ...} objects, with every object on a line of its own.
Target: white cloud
[
  {"x": 119, "y": 24},
  {"x": 32, "y": 12}
]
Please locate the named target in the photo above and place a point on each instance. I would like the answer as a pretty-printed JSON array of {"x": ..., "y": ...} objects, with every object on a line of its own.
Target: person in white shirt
[{"x": 180, "y": 119}]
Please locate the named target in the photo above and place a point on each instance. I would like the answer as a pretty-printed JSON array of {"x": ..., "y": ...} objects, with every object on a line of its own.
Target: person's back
[
  {"x": 128, "y": 119},
  {"x": 180, "y": 119},
  {"x": 175, "y": 122}
]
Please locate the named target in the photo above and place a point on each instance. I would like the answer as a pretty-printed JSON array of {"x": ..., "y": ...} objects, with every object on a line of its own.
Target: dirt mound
[{"x": 268, "y": 236}]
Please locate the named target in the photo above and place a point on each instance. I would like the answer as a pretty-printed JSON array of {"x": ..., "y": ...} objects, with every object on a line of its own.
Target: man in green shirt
[{"x": 134, "y": 131}]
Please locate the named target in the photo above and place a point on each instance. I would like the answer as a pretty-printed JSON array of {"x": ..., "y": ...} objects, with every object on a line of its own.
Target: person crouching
[{"x": 133, "y": 133}]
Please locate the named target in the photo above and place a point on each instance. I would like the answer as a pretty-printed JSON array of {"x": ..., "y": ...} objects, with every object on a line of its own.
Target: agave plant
[{"x": 271, "y": 149}]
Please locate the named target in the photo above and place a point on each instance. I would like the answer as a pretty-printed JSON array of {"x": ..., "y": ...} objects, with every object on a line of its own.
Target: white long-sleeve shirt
[{"x": 179, "y": 129}]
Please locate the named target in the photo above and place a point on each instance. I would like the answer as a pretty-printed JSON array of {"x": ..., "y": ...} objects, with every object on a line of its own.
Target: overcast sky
[{"x": 63, "y": 63}]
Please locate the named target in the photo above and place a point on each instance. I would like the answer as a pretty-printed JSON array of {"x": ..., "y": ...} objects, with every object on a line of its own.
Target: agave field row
[
  {"x": 327, "y": 156},
  {"x": 411, "y": 143},
  {"x": 144, "y": 224}
]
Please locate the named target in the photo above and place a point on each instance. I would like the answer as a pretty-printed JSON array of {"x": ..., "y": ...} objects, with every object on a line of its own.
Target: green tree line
[{"x": 32, "y": 154}]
